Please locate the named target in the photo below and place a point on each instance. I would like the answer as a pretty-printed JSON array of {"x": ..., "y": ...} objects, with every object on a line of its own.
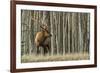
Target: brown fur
[{"x": 41, "y": 40}]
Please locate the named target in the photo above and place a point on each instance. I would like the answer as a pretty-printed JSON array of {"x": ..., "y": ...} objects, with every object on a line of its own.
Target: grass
[{"x": 66, "y": 57}]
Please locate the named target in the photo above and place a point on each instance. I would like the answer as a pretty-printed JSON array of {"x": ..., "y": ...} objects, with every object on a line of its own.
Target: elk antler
[{"x": 44, "y": 29}]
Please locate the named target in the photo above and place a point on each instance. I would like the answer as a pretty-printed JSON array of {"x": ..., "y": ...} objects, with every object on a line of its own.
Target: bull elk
[{"x": 42, "y": 39}]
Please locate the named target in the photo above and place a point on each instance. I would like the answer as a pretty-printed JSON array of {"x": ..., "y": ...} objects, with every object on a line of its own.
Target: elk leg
[
  {"x": 48, "y": 49},
  {"x": 45, "y": 50},
  {"x": 37, "y": 50}
]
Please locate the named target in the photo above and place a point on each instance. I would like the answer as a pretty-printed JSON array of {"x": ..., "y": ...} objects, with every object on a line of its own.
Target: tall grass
[{"x": 66, "y": 57}]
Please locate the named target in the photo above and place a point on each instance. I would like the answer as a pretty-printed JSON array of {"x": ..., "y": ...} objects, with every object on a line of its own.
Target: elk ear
[{"x": 46, "y": 26}]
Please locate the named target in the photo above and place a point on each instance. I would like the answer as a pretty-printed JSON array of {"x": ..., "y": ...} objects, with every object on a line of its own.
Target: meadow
[{"x": 66, "y": 57}]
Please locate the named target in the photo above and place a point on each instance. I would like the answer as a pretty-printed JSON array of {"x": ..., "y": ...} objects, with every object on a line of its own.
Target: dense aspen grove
[{"x": 70, "y": 33}]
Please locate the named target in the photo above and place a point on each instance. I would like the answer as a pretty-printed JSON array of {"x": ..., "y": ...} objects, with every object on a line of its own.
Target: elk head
[{"x": 45, "y": 30}]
